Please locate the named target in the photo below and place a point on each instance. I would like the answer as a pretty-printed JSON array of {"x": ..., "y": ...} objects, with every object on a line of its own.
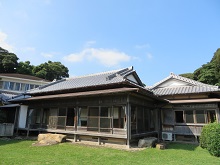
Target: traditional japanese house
[
  {"x": 192, "y": 105},
  {"x": 111, "y": 106}
]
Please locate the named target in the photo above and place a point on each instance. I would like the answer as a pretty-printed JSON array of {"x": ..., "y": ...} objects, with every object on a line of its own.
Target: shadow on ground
[{"x": 182, "y": 146}]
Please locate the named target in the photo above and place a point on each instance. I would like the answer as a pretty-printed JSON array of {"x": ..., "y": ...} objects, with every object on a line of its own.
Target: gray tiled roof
[
  {"x": 104, "y": 78},
  {"x": 192, "y": 87},
  {"x": 22, "y": 76},
  {"x": 4, "y": 96},
  {"x": 183, "y": 90}
]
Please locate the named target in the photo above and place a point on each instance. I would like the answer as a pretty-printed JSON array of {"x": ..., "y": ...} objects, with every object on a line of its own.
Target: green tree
[
  {"x": 208, "y": 73},
  {"x": 216, "y": 62},
  {"x": 25, "y": 68},
  {"x": 188, "y": 75},
  {"x": 8, "y": 61},
  {"x": 51, "y": 70}
]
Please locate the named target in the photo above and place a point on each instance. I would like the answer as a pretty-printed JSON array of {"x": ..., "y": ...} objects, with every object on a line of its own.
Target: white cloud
[
  {"x": 143, "y": 46},
  {"x": 75, "y": 57},
  {"x": 149, "y": 56},
  {"x": 28, "y": 49},
  {"x": 47, "y": 55},
  {"x": 89, "y": 44},
  {"x": 3, "y": 43},
  {"x": 105, "y": 57}
]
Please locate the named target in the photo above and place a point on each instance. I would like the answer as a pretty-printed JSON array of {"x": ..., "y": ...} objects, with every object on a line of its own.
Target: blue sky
[{"x": 88, "y": 36}]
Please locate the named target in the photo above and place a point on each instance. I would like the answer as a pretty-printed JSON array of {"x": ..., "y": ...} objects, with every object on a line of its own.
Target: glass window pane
[
  {"x": 189, "y": 116},
  {"x": 94, "y": 111},
  {"x": 45, "y": 115},
  {"x": 17, "y": 86},
  {"x": 31, "y": 86},
  {"x": 93, "y": 119},
  {"x": 62, "y": 112},
  {"x": 200, "y": 116},
  {"x": 27, "y": 87},
  {"x": 179, "y": 116},
  {"x": 70, "y": 119},
  {"x": 6, "y": 85},
  {"x": 11, "y": 87},
  {"x": 105, "y": 112},
  {"x": 211, "y": 116},
  {"x": 1, "y": 84},
  {"x": 22, "y": 87},
  {"x": 105, "y": 119},
  {"x": 82, "y": 116}
]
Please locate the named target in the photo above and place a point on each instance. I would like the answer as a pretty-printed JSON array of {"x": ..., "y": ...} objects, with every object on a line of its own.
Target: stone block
[{"x": 147, "y": 142}]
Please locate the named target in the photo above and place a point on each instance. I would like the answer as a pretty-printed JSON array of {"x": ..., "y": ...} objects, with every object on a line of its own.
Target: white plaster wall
[
  {"x": 22, "y": 116},
  {"x": 172, "y": 83},
  {"x": 131, "y": 77}
]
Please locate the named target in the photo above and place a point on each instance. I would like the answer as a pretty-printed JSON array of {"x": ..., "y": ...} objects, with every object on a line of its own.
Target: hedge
[{"x": 210, "y": 138}]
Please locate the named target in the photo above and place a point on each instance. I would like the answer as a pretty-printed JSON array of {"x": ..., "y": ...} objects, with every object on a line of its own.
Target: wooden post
[
  {"x": 18, "y": 122},
  {"x": 41, "y": 117},
  {"x": 218, "y": 115},
  {"x": 28, "y": 130},
  {"x": 99, "y": 125},
  {"x": 15, "y": 119},
  {"x": 76, "y": 118},
  {"x": 99, "y": 140},
  {"x": 128, "y": 118},
  {"x": 144, "y": 118},
  {"x": 65, "y": 122},
  {"x": 112, "y": 119},
  {"x": 136, "y": 119},
  {"x": 158, "y": 124},
  {"x": 75, "y": 138}
]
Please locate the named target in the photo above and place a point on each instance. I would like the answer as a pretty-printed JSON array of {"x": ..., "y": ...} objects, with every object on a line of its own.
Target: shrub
[
  {"x": 210, "y": 138},
  {"x": 204, "y": 136}
]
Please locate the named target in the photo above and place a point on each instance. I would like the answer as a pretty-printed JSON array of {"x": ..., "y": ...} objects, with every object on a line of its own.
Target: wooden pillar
[
  {"x": 75, "y": 138},
  {"x": 128, "y": 123},
  {"x": 144, "y": 119},
  {"x": 218, "y": 115},
  {"x": 158, "y": 124},
  {"x": 112, "y": 119},
  {"x": 136, "y": 119},
  {"x": 99, "y": 125},
  {"x": 15, "y": 119},
  {"x": 76, "y": 117},
  {"x": 28, "y": 130},
  {"x": 99, "y": 140}
]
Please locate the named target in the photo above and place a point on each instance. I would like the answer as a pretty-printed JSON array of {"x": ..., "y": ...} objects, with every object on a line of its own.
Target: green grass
[{"x": 22, "y": 152}]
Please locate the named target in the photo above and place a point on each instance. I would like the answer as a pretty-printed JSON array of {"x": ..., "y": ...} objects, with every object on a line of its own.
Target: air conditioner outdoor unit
[{"x": 167, "y": 136}]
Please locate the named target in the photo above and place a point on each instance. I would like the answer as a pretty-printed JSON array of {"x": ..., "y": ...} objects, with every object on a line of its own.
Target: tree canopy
[
  {"x": 8, "y": 61},
  {"x": 48, "y": 70},
  {"x": 208, "y": 73},
  {"x": 51, "y": 70},
  {"x": 25, "y": 68}
]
